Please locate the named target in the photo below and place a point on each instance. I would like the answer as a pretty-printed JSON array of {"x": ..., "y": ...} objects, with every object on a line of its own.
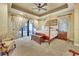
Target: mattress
[{"x": 53, "y": 33}]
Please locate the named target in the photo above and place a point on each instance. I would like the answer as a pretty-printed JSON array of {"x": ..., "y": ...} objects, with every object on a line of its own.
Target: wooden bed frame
[
  {"x": 74, "y": 52},
  {"x": 40, "y": 37}
]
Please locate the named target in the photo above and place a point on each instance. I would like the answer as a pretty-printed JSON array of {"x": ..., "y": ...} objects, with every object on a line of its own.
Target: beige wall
[
  {"x": 76, "y": 24},
  {"x": 70, "y": 19},
  {"x": 3, "y": 19}
]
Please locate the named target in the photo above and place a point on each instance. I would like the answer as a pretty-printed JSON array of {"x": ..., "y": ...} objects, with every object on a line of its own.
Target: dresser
[{"x": 62, "y": 35}]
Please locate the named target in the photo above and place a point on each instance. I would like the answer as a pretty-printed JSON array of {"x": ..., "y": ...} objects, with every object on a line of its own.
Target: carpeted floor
[{"x": 27, "y": 47}]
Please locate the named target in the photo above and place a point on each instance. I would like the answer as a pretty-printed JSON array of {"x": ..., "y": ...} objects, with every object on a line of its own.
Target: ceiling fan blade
[
  {"x": 45, "y": 4},
  {"x": 38, "y": 9},
  {"x": 35, "y": 8},
  {"x": 44, "y": 9},
  {"x": 38, "y": 4}
]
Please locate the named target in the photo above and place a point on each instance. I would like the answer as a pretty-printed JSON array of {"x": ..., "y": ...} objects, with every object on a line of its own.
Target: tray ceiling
[{"x": 28, "y": 7}]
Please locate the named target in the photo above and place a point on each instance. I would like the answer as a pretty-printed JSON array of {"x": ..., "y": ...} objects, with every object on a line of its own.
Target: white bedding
[{"x": 53, "y": 33}]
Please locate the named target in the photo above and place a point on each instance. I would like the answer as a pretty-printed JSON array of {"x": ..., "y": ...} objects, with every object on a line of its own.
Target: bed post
[{"x": 49, "y": 30}]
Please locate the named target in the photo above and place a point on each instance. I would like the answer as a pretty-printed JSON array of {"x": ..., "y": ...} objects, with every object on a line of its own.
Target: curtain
[{"x": 62, "y": 24}]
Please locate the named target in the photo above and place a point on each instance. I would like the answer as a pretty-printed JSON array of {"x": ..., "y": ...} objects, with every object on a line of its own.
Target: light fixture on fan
[{"x": 40, "y": 6}]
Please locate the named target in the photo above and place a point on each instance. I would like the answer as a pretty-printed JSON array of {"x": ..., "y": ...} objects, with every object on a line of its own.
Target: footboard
[
  {"x": 74, "y": 52},
  {"x": 36, "y": 38}
]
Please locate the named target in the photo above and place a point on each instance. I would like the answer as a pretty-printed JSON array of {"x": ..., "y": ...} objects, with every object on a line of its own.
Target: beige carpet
[{"x": 27, "y": 47}]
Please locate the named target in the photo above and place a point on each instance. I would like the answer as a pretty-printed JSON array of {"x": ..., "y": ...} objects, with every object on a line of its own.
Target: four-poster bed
[
  {"x": 48, "y": 34},
  {"x": 53, "y": 33}
]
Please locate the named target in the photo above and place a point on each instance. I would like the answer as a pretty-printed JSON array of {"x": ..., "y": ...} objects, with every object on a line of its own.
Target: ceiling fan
[{"x": 40, "y": 6}]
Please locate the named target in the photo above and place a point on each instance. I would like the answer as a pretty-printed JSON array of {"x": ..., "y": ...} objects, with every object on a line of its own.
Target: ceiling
[{"x": 28, "y": 8}]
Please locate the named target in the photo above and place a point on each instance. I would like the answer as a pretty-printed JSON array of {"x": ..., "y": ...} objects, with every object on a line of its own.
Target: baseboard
[
  {"x": 76, "y": 45},
  {"x": 70, "y": 40}
]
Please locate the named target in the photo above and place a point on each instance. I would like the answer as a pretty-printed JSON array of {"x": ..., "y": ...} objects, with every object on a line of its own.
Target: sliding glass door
[{"x": 27, "y": 29}]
